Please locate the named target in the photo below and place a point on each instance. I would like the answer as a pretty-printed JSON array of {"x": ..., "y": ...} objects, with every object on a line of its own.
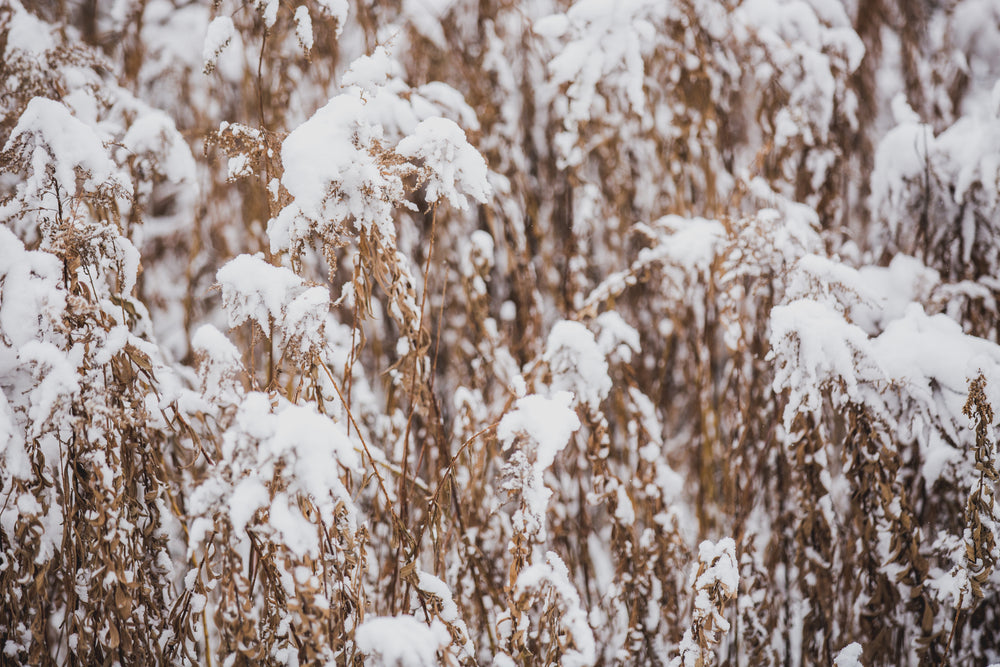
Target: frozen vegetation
[{"x": 499, "y": 332}]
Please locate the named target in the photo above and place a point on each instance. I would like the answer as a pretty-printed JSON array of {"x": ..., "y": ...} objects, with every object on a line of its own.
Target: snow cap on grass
[
  {"x": 371, "y": 71},
  {"x": 447, "y": 609},
  {"x": 401, "y": 641},
  {"x": 219, "y": 360},
  {"x": 577, "y": 363},
  {"x": 26, "y": 32},
  {"x": 811, "y": 343},
  {"x": 306, "y": 450},
  {"x": 546, "y": 424},
  {"x": 66, "y": 144},
  {"x": 220, "y": 33},
  {"x": 553, "y": 574},
  {"x": 849, "y": 656},
  {"x": 333, "y": 172},
  {"x": 716, "y": 579},
  {"x": 336, "y": 9},
  {"x": 304, "y": 28},
  {"x": 617, "y": 338},
  {"x": 282, "y": 304},
  {"x": 454, "y": 167}
]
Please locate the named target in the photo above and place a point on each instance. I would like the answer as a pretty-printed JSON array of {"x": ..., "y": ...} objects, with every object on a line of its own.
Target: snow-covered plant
[
  {"x": 401, "y": 641},
  {"x": 289, "y": 312},
  {"x": 938, "y": 194},
  {"x": 87, "y": 517},
  {"x": 545, "y": 426},
  {"x": 274, "y": 536},
  {"x": 715, "y": 583},
  {"x": 444, "y": 332},
  {"x": 981, "y": 515},
  {"x": 564, "y": 636}
]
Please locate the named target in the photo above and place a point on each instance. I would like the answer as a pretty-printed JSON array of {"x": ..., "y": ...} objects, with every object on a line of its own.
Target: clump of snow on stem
[
  {"x": 219, "y": 362},
  {"x": 401, "y": 641},
  {"x": 339, "y": 167},
  {"x": 453, "y": 167},
  {"x": 308, "y": 451},
  {"x": 715, "y": 579},
  {"x": 337, "y": 9},
  {"x": 219, "y": 35},
  {"x": 604, "y": 46},
  {"x": 64, "y": 158},
  {"x": 446, "y": 609},
  {"x": 553, "y": 574},
  {"x": 34, "y": 373},
  {"x": 545, "y": 426},
  {"x": 849, "y": 334},
  {"x": 285, "y": 307},
  {"x": 849, "y": 656},
  {"x": 616, "y": 338},
  {"x": 304, "y": 28},
  {"x": 334, "y": 172},
  {"x": 368, "y": 72},
  {"x": 577, "y": 363}
]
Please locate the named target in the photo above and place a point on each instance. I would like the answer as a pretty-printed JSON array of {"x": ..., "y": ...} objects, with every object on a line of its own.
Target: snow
[
  {"x": 617, "y": 339},
  {"x": 577, "y": 363},
  {"x": 154, "y": 133},
  {"x": 248, "y": 497},
  {"x": 957, "y": 170},
  {"x": 283, "y": 305},
  {"x": 430, "y": 584},
  {"x": 624, "y": 511},
  {"x": 303, "y": 28},
  {"x": 906, "y": 346},
  {"x": 371, "y": 71},
  {"x": 849, "y": 656},
  {"x": 448, "y": 609},
  {"x": 812, "y": 341},
  {"x": 440, "y": 98},
  {"x": 63, "y": 142},
  {"x": 854, "y": 333},
  {"x": 28, "y": 289},
  {"x": 401, "y": 641},
  {"x": 308, "y": 449},
  {"x": 219, "y": 35},
  {"x": 508, "y": 311},
  {"x": 329, "y": 173},
  {"x": 291, "y": 528},
  {"x": 268, "y": 10},
  {"x": 689, "y": 242},
  {"x": 722, "y": 571},
  {"x": 602, "y": 43},
  {"x": 715, "y": 580},
  {"x": 337, "y": 9},
  {"x": 127, "y": 257},
  {"x": 974, "y": 29},
  {"x": 238, "y": 166},
  {"x": 554, "y": 573},
  {"x": 481, "y": 243},
  {"x": 892, "y": 289},
  {"x": 425, "y": 16},
  {"x": 314, "y": 439},
  {"x": 455, "y": 168},
  {"x": 254, "y": 289},
  {"x": 57, "y": 381},
  {"x": 12, "y": 453},
  {"x": 547, "y": 424},
  {"x": 27, "y": 33},
  {"x": 671, "y": 213}
]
